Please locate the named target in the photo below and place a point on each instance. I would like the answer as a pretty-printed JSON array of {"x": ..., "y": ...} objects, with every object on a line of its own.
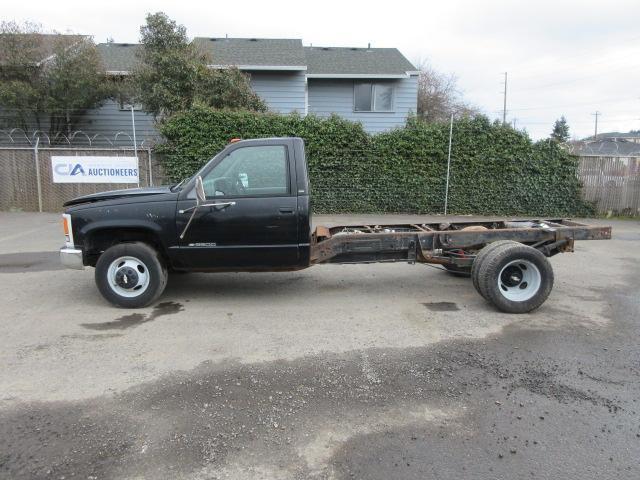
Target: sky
[{"x": 563, "y": 57}]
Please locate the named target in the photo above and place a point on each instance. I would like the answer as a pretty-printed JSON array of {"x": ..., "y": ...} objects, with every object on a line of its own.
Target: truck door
[{"x": 256, "y": 224}]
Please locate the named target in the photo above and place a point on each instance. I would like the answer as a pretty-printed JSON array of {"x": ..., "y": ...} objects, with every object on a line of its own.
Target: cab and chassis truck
[{"x": 249, "y": 209}]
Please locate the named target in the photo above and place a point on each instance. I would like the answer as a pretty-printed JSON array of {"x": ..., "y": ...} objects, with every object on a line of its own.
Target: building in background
[{"x": 375, "y": 86}]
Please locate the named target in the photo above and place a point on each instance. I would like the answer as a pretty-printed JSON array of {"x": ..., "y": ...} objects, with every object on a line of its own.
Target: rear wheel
[
  {"x": 479, "y": 259},
  {"x": 131, "y": 275},
  {"x": 514, "y": 277}
]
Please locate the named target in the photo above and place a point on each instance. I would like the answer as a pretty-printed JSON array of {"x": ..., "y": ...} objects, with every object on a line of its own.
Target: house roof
[
  {"x": 608, "y": 148},
  {"x": 278, "y": 54},
  {"x": 343, "y": 61},
  {"x": 632, "y": 134},
  {"x": 118, "y": 57},
  {"x": 36, "y": 47},
  {"x": 254, "y": 52}
]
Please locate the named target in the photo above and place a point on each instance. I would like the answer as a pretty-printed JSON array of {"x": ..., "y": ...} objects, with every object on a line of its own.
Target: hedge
[{"x": 494, "y": 169}]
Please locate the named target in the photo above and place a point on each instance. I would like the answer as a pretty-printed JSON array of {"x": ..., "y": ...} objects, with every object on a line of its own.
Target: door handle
[{"x": 288, "y": 210}]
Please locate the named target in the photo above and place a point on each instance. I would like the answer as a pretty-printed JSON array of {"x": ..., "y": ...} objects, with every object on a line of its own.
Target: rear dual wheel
[{"x": 514, "y": 277}]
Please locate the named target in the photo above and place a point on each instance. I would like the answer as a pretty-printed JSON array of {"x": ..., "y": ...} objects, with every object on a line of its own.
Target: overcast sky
[{"x": 563, "y": 56}]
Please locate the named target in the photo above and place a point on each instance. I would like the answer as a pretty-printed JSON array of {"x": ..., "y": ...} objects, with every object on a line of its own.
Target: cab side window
[{"x": 250, "y": 172}]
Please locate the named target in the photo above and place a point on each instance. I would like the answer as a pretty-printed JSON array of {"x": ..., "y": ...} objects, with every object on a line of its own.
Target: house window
[{"x": 373, "y": 97}]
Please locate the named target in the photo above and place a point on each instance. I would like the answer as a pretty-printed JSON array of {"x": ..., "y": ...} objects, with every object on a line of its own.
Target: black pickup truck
[{"x": 249, "y": 209}]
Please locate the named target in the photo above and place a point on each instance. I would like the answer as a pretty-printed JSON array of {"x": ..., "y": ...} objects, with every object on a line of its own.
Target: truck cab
[{"x": 253, "y": 213}]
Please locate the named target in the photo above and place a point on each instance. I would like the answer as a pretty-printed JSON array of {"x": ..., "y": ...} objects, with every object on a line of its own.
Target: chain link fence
[{"x": 26, "y": 178}]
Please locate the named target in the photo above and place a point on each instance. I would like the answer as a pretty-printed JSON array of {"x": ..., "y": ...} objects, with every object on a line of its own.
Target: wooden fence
[{"x": 612, "y": 184}]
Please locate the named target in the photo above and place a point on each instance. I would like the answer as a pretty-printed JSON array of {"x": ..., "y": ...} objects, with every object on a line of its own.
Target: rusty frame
[{"x": 441, "y": 243}]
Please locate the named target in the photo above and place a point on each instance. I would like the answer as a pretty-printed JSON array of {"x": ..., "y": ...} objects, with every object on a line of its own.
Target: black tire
[
  {"x": 475, "y": 267},
  {"x": 152, "y": 267},
  {"x": 515, "y": 278},
  {"x": 456, "y": 271}
]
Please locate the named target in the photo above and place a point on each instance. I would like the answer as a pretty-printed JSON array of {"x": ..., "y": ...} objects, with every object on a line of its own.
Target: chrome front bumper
[{"x": 71, "y": 258}]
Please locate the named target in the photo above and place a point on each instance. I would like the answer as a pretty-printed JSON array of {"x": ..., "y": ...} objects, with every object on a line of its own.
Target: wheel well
[{"x": 100, "y": 240}]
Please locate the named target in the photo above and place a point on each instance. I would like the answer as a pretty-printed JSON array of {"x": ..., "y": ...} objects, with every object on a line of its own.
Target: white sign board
[{"x": 94, "y": 169}]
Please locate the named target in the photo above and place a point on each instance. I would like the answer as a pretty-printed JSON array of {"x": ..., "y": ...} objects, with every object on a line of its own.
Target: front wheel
[
  {"x": 514, "y": 277},
  {"x": 131, "y": 275}
]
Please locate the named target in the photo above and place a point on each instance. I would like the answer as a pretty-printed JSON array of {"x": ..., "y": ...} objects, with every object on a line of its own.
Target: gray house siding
[
  {"x": 283, "y": 92},
  {"x": 110, "y": 121},
  {"x": 327, "y": 96},
  {"x": 103, "y": 126}
]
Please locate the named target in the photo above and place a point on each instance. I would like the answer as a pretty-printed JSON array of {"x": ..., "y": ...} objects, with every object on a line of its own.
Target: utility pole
[
  {"x": 514, "y": 123},
  {"x": 597, "y": 114},
  {"x": 504, "y": 105}
]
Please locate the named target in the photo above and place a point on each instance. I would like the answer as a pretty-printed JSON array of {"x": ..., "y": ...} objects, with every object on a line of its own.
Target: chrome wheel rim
[
  {"x": 128, "y": 277},
  {"x": 519, "y": 280}
]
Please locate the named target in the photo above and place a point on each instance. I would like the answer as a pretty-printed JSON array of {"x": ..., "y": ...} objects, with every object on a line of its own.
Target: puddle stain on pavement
[{"x": 134, "y": 319}]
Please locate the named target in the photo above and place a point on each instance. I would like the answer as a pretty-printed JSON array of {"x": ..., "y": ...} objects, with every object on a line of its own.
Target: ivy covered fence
[{"x": 495, "y": 170}]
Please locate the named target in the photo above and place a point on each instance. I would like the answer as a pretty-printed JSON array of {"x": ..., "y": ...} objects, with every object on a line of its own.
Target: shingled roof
[
  {"x": 118, "y": 57},
  {"x": 336, "y": 61},
  {"x": 285, "y": 53},
  {"x": 277, "y": 54},
  {"x": 36, "y": 47}
]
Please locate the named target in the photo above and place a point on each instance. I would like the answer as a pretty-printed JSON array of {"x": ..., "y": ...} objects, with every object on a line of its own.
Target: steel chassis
[{"x": 451, "y": 244}]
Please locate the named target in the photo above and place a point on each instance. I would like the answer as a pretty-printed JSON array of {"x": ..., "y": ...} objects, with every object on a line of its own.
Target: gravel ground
[{"x": 336, "y": 372}]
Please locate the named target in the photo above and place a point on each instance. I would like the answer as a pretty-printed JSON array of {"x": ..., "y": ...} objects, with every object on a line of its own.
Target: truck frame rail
[{"x": 446, "y": 243}]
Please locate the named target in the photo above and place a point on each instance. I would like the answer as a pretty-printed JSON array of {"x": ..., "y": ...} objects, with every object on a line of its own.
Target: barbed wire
[{"x": 19, "y": 137}]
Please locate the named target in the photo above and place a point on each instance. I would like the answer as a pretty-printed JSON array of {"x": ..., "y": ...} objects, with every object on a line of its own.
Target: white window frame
[{"x": 373, "y": 97}]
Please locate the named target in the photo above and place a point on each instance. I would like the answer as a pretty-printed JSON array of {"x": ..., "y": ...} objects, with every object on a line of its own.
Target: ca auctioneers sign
[{"x": 94, "y": 169}]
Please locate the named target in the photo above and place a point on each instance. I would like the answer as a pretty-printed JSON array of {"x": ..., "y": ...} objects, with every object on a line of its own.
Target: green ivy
[{"x": 494, "y": 169}]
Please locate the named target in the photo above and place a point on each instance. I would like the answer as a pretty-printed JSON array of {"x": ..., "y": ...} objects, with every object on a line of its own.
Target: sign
[{"x": 94, "y": 169}]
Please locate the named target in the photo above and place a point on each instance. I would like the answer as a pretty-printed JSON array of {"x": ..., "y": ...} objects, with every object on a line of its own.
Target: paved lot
[{"x": 365, "y": 371}]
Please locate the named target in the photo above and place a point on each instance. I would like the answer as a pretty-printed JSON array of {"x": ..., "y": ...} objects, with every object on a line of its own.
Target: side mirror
[{"x": 201, "y": 196}]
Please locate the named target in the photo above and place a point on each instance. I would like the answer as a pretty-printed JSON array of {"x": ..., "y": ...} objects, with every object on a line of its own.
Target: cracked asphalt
[{"x": 336, "y": 372}]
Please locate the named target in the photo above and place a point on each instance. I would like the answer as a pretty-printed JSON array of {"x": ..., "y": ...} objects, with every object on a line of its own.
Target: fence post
[
  {"x": 135, "y": 143},
  {"x": 38, "y": 180},
  {"x": 446, "y": 192},
  {"x": 150, "y": 167}
]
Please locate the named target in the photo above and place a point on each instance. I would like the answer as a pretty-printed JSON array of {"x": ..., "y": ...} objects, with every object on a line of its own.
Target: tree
[
  {"x": 48, "y": 78},
  {"x": 173, "y": 75},
  {"x": 439, "y": 97},
  {"x": 560, "y": 132}
]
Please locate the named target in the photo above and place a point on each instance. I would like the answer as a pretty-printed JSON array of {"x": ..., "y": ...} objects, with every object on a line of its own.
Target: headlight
[{"x": 68, "y": 232}]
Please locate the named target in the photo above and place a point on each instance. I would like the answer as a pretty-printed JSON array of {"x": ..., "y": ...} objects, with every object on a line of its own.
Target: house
[
  {"x": 375, "y": 86},
  {"x": 632, "y": 136}
]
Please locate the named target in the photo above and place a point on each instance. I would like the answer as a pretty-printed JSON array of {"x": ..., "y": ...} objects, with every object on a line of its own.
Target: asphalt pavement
[{"x": 386, "y": 371}]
